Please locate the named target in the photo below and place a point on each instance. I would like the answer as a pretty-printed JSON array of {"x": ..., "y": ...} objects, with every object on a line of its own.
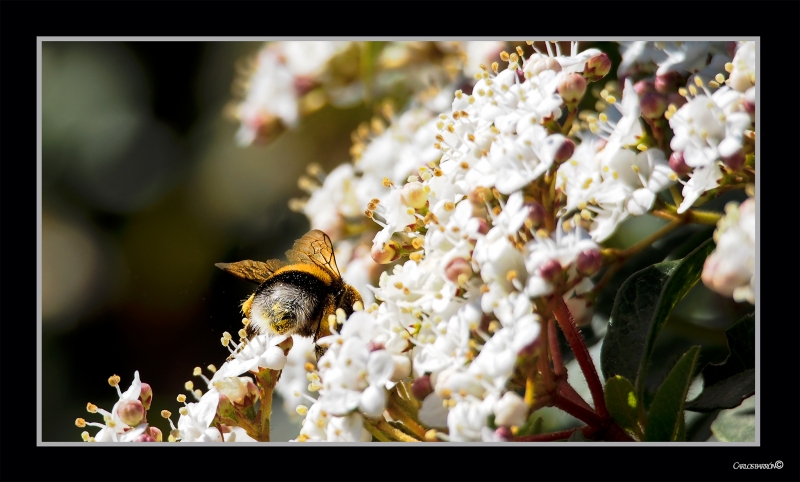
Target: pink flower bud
[
  {"x": 644, "y": 86},
  {"x": 131, "y": 412},
  {"x": 653, "y": 105},
  {"x": 730, "y": 48},
  {"x": 572, "y": 89},
  {"x": 456, "y": 268},
  {"x": 669, "y": 82},
  {"x": 589, "y": 262},
  {"x": 421, "y": 387},
  {"x": 676, "y": 99},
  {"x": 550, "y": 270},
  {"x": 678, "y": 164},
  {"x": 389, "y": 253},
  {"x": 535, "y": 213},
  {"x": 414, "y": 195},
  {"x": 144, "y": 438},
  {"x": 597, "y": 67},
  {"x": 504, "y": 433},
  {"x": 155, "y": 432},
  {"x": 303, "y": 85},
  {"x": 483, "y": 226},
  {"x": 564, "y": 153},
  {"x": 735, "y": 161},
  {"x": 375, "y": 346},
  {"x": 146, "y": 396}
]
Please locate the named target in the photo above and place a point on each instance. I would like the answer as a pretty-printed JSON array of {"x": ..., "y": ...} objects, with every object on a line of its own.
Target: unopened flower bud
[
  {"x": 572, "y": 89},
  {"x": 535, "y": 214},
  {"x": 564, "y": 152},
  {"x": 457, "y": 269},
  {"x": 589, "y": 262},
  {"x": 734, "y": 161},
  {"x": 146, "y": 396},
  {"x": 144, "y": 438},
  {"x": 669, "y": 82},
  {"x": 390, "y": 252},
  {"x": 510, "y": 410},
  {"x": 532, "y": 69},
  {"x": 676, "y": 99},
  {"x": 644, "y": 86},
  {"x": 504, "y": 433},
  {"x": 550, "y": 270},
  {"x": 421, "y": 387},
  {"x": 483, "y": 226},
  {"x": 131, "y": 412},
  {"x": 155, "y": 432},
  {"x": 375, "y": 346},
  {"x": 653, "y": 105},
  {"x": 597, "y": 67},
  {"x": 413, "y": 194},
  {"x": 678, "y": 164}
]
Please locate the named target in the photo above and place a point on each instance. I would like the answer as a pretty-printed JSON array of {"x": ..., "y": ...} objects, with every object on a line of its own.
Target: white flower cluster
[
  {"x": 711, "y": 128},
  {"x": 512, "y": 212},
  {"x": 731, "y": 269},
  {"x": 290, "y": 79}
]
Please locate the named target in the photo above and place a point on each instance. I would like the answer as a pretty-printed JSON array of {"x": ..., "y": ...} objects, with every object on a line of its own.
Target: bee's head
[{"x": 349, "y": 298}]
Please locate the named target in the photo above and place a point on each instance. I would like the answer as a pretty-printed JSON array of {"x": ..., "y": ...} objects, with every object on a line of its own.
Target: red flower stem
[
  {"x": 547, "y": 437},
  {"x": 555, "y": 350},
  {"x": 578, "y": 346},
  {"x": 583, "y": 414},
  {"x": 566, "y": 391}
]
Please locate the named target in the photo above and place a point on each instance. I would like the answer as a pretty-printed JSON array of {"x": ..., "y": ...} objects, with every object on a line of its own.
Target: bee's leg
[{"x": 323, "y": 328}]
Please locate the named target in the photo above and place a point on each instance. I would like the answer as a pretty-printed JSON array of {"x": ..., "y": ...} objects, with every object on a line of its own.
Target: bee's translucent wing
[
  {"x": 314, "y": 248},
  {"x": 254, "y": 271}
]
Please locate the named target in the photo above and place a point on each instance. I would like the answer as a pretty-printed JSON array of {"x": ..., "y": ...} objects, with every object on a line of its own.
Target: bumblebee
[{"x": 297, "y": 297}]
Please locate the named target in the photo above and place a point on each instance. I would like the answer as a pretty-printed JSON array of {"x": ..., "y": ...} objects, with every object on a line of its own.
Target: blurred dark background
[{"x": 144, "y": 189}]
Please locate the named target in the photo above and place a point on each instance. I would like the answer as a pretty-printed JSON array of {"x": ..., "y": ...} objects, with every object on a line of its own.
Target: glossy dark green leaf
[
  {"x": 640, "y": 310},
  {"x": 622, "y": 403},
  {"x": 727, "y": 384},
  {"x": 737, "y": 424},
  {"x": 665, "y": 421}
]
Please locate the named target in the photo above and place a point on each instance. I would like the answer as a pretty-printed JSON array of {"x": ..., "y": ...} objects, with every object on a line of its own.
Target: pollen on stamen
[
  {"x": 183, "y": 411},
  {"x": 91, "y": 408},
  {"x": 181, "y": 398},
  {"x": 114, "y": 380},
  {"x": 189, "y": 385},
  {"x": 79, "y": 422}
]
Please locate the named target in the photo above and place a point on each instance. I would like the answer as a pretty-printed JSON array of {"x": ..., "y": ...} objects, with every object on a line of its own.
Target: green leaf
[
  {"x": 665, "y": 422},
  {"x": 577, "y": 436},
  {"x": 738, "y": 424},
  {"x": 727, "y": 384},
  {"x": 532, "y": 426},
  {"x": 622, "y": 403},
  {"x": 640, "y": 310}
]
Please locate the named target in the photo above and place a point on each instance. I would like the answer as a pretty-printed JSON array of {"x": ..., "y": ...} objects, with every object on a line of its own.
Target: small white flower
[
  {"x": 510, "y": 410},
  {"x": 703, "y": 179},
  {"x": 743, "y": 74},
  {"x": 730, "y": 269},
  {"x": 261, "y": 351},
  {"x": 194, "y": 426}
]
